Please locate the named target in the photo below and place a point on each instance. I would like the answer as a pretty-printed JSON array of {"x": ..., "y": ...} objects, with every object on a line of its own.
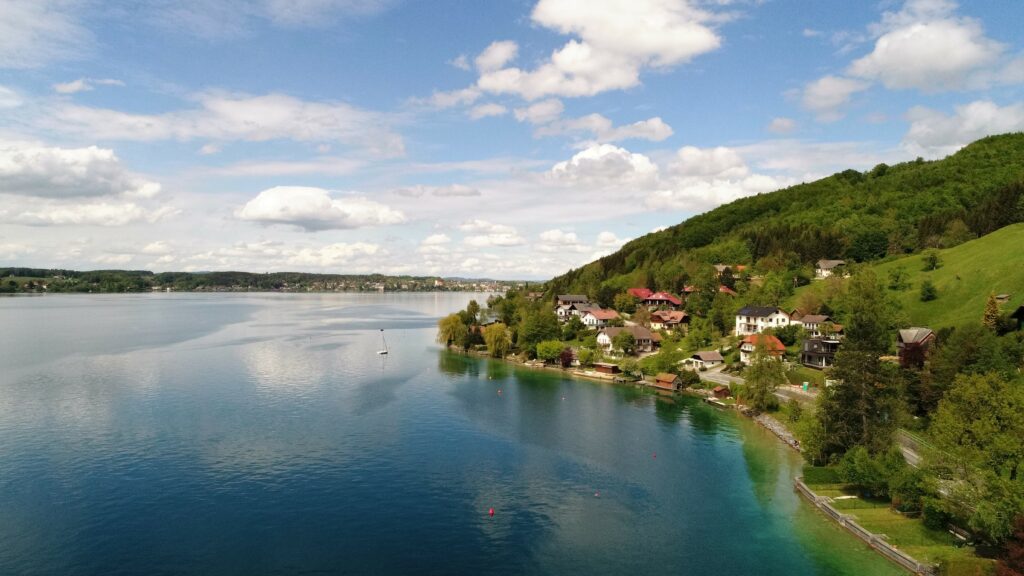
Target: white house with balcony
[{"x": 756, "y": 319}]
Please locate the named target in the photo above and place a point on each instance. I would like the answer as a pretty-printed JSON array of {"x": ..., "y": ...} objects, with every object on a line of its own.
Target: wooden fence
[{"x": 877, "y": 542}]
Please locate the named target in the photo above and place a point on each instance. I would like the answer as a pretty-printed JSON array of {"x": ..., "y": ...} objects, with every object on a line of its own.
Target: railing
[{"x": 877, "y": 542}]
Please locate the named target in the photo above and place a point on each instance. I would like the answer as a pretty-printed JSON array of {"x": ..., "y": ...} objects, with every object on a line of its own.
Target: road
[{"x": 785, "y": 393}]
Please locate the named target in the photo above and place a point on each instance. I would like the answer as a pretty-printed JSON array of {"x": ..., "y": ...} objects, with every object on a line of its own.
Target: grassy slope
[{"x": 969, "y": 272}]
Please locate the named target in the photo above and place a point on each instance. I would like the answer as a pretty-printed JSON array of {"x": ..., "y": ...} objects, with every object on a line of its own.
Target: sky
[{"x": 510, "y": 139}]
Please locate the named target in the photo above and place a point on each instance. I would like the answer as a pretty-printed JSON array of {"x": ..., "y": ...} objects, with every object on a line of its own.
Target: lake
[{"x": 258, "y": 434}]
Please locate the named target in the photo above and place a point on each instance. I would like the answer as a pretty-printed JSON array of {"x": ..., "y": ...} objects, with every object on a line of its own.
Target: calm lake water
[{"x": 261, "y": 434}]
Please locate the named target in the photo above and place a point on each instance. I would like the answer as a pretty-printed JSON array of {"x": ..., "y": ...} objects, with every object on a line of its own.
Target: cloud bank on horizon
[{"x": 517, "y": 140}]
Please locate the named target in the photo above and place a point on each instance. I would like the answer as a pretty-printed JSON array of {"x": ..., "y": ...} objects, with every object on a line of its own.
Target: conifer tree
[{"x": 991, "y": 317}]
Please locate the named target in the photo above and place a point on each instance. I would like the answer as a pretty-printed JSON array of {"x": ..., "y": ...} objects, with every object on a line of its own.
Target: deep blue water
[{"x": 262, "y": 434}]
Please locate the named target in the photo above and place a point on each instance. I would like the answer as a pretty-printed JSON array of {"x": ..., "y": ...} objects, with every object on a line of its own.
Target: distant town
[{"x": 39, "y": 280}]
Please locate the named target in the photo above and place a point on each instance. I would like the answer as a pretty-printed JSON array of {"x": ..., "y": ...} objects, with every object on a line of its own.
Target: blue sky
[{"x": 510, "y": 139}]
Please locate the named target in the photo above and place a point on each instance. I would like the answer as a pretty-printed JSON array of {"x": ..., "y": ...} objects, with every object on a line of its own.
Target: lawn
[
  {"x": 799, "y": 374},
  {"x": 968, "y": 274},
  {"x": 907, "y": 534}
]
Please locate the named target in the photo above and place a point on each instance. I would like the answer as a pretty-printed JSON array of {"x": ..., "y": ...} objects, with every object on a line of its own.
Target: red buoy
[
  {"x": 655, "y": 455},
  {"x": 491, "y": 511}
]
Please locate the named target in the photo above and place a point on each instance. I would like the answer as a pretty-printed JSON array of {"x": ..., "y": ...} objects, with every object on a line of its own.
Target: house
[
  {"x": 598, "y": 317},
  {"x": 825, "y": 268},
  {"x": 669, "y": 319},
  {"x": 734, "y": 269},
  {"x": 819, "y": 352},
  {"x": 607, "y": 368},
  {"x": 645, "y": 340},
  {"x": 640, "y": 293},
  {"x": 666, "y": 381},
  {"x": 726, "y": 290},
  {"x": 663, "y": 299},
  {"x": 773, "y": 346},
  {"x": 569, "y": 299},
  {"x": 707, "y": 359},
  {"x": 816, "y": 325},
  {"x": 913, "y": 345},
  {"x": 755, "y": 319},
  {"x": 721, "y": 392},
  {"x": 1018, "y": 315},
  {"x": 487, "y": 318},
  {"x": 566, "y": 311}
]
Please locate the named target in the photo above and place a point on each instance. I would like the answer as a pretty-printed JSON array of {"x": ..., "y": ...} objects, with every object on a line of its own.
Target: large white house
[
  {"x": 825, "y": 268},
  {"x": 756, "y": 319},
  {"x": 645, "y": 339}
]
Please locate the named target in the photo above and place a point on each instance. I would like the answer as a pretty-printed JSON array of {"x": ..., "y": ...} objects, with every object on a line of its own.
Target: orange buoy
[{"x": 491, "y": 512}]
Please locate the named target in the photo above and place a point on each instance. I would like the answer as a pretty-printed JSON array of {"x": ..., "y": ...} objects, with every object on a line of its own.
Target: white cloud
[
  {"x": 461, "y": 62},
  {"x": 452, "y": 190},
  {"x": 487, "y": 110},
  {"x": 495, "y": 56},
  {"x": 559, "y": 237},
  {"x": 929, "y": 55},
  {"x": 227, "y": 117},
  {"x": 601, "y": 129},
  {"x": 436, "y": 239},
  {"x": 461, "y": 97},
  {"x": 488, "y": 234},
  {"x": 827, "y": 96},
  {"x": 608, "y": 239},
  {"x": 782, "y": 125},
  {"x": 36, "y": 32},
  {"x": 12, "y": 250},
  {"x": 616, "y": 40},
  {"x": 704, "y": 178},
  {"x": 605, "y": 165},
  {"x": 330, "y": 165},
  {"x": 84, "y": 85},
  {"x": 32, "y": 170},
  {"x": 9, "y": 98},
  {"x": 541, "y": 112},
  {"x": 332, "y": 255},
  {"x": 209, "y": 149},
  {"x": 159, "y": 247},
  {"x": 811, "y": 33},
  {"x": 95, "y": 213},
  {"x": 314, "y": 209},
  {"x": 935, "y": 134}
]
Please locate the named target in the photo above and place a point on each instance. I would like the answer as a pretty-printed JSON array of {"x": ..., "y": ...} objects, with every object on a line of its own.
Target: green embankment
[{"x": 968, "y": 274}]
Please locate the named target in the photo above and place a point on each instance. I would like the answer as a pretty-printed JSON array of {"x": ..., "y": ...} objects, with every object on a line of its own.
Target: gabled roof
[
  {"x": 914, "y": 335},
  {"x": 773, "y": 344},
  {"x": 670, "y": 316},
  {"x": 663, "y": 297},
  {"x": 602, "y": 314},
  {"x": 759, "y": 311},
  {"x": 815, "y": 318},
  {"x": 640, "y": 293},
  {"x": 666, "y": 377},
  {"x": 710, "y": 356},
  {"x": 573, "y": 298},
  {"x": 726, "y": 290},
  {"x": 638, "y": 332},
  {"x": 829, "y": 264}
]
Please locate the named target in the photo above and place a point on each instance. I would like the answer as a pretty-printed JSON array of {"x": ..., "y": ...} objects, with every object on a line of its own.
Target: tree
[
  {"x": 626, "y": 302},
  {"x": 498, "y": 339},
  {"x": 928, "y": 291},
  {"x": 763, "y": 376},
  {"x": 726, "y": 278},
  {"x": 991, "y": 317},
  {"x": 566, "y": 357},
  {"x": 642, "y": 316},
  {"x": 572, "y": 328},
  {"x": 861, "y": 408},
  {"x": 473, "y": 310},
  {"x": 549, "y": 350},
  {"x": 898, "y": 279},
  {"x": 451, "y": 330},
  {"x": 624, "y": 341},
  {"x": 1012, "y": 562},
  {"x": 605, "y": 296},
  {"x": 932, "y": 260},
  {"x": 538, "y": 324},
  {"x": 585, "y": 356}
]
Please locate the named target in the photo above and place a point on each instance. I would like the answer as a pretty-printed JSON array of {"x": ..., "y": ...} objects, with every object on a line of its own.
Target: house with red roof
[
  {"x": 663, "y": 299},
  {"x": 640, "y": 293},
  {"x": 773, "y": 346}
]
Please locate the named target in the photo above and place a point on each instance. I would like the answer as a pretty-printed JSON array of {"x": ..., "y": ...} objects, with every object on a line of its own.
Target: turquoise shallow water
[{"x": 262, "y": 434}]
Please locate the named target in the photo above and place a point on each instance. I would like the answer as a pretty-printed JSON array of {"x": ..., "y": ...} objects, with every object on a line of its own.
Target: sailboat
[{"x": 384, "y": 343}]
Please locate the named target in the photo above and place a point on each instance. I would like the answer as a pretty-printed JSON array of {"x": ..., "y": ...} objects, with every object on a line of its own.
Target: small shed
[
  {"x": 666, "y": 381},
  {"x": 607, "y": 368},
  {"x": 720, "y": 392}
]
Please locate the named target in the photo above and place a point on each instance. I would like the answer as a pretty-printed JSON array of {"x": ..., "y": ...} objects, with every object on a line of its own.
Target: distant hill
[
  {"x": 968, "y": 274},
  {"x": 857, "y": 216}
]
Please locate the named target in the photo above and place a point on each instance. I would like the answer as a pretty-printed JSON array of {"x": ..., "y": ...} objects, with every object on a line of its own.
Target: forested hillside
[{"x": 857, "y": 216}]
